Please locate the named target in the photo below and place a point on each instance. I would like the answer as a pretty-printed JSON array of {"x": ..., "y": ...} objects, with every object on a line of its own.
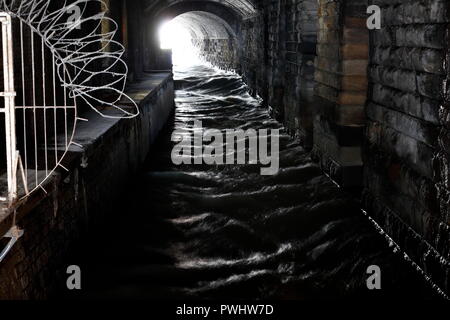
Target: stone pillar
[
  {"x": 135, "y": 39},
  {"x": 341, "y": 89}
]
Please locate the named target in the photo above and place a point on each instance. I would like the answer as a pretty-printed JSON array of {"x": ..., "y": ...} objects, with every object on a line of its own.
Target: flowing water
[{"x": 198, "y": 231}]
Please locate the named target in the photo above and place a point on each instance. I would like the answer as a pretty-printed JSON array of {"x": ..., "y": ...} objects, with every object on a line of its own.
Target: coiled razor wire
[{"x": 95, "y": 59}]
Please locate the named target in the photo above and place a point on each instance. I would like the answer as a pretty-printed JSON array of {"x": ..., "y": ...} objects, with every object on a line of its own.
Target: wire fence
[{"x": 40, "y": 114}]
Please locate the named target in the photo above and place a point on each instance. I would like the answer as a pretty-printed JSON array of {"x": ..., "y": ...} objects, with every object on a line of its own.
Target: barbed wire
[{"x": 80, "y": 45}]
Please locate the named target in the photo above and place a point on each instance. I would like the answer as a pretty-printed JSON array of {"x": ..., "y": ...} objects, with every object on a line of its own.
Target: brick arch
[
  {"x": 166, "y": 13},
  {"x": 213, "y": 36},
  {"x": 244, "y": 8},
  {"x": 205, "y": 25},
  {"x": 215, "y": 27}
]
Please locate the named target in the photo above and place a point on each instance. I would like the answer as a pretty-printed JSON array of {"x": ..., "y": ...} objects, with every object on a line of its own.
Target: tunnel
[
  {"x": 208, "y": 150},
  {"x": 199, "y": 31},
  {"x": 211, "y": 24}
]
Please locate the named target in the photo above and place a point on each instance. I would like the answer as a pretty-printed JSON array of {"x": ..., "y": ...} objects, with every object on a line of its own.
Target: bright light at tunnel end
[{"x": 176, "y": 37}]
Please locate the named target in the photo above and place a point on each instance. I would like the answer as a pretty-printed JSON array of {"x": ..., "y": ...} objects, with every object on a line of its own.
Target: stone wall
[
  {"x": 308, "y": 59},
  {"x": 300, "y": 45},
  {"x": 79, "y": 200},
  {"x": 253, "y": 55},
  {"x": 275, "y": 57},
  {"x": 219, "y": 52},
  {"x": 406, "y": 176},
  {"x": 278, "y": 54}
]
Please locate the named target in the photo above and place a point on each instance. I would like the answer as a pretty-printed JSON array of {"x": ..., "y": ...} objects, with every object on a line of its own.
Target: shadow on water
[{"x": 196, "y": 231}]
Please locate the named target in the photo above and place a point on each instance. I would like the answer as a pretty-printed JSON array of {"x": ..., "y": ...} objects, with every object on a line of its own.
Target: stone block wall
[
  {"x": 275, "y": 57},
  {"x": 219, "y": 52},
  {"x": 262, "y": 55},
  {"x": 253, "y": 66},
  {"x": 407, "y": 140},
  {"x": 300, "y": 46},
  {"x": 278, "y": 52},
  {"x": 341, "y": 89},
  {"x": 311, "y": 70}
]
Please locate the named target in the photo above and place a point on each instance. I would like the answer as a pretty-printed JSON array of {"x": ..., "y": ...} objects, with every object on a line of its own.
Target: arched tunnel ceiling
[
  {"x": 204, "y": 25},
  {"x": 245, "y": 8}
]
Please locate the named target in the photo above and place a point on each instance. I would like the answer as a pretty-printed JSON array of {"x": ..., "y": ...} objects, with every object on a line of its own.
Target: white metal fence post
[{"x": 9, "y": 108}]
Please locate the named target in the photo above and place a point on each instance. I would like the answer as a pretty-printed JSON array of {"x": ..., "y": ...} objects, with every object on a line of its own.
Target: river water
[{"x": 198, "y": 231}]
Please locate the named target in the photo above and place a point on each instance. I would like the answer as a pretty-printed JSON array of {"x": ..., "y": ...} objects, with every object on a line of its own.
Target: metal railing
[
  {"x": 12, "y": 155},
  {"x": 39, "y": 121},
  {"x": 40, "y": 115},
  {"x": 54, "y": 65},
  {"x": 9, "y": 108}
]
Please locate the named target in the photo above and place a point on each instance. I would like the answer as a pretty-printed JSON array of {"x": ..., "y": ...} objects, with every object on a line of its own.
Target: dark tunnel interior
[{"x": 208, "y": 150}]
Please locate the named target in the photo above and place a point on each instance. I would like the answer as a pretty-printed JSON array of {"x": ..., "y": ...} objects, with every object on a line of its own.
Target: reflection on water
[{"x": 198, "y": 231}]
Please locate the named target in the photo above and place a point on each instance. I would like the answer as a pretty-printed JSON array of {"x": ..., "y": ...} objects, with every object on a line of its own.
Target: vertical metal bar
[
  {"x": 65, "y": 108},
  {"x": 24, "y": 112},
  {"x": 44, "y": 105},
  {"x": 10, "y": 123},
  {"x": 22, "y": 171},
  {"x": 34, "y": 109},
  {"x": 54, "y": 110}
]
